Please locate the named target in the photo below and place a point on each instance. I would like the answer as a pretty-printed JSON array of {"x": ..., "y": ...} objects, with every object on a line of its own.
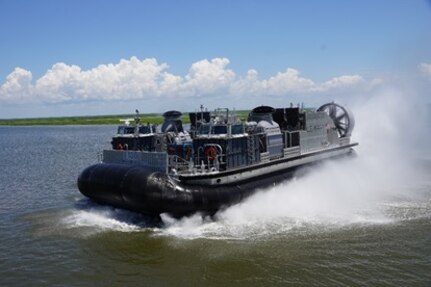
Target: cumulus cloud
[
  {"x": 136, "y": 79},
  {"x": 17, "y": 86},
  {"x": 288, "y": 82},
  {"x": 208, "y": 77},
  {"x": 291, "y": 82},
  {"x": 340, "y": 82},
  {"x": 129, "y": 79},
  {"x": 426, "y": 70}
]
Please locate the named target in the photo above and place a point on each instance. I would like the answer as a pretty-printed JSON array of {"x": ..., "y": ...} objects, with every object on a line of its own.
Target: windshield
[
  {"x": 122, "y": 130},
  {"x": 237, "y": 129},
  {"x": 144, "y": 130},
  {"x": 219, "y": 129},
  {"x": 204, "y": 129}
]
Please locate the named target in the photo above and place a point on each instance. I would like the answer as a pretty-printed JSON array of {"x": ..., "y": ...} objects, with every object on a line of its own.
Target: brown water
[{"x": 364, "y": 222}]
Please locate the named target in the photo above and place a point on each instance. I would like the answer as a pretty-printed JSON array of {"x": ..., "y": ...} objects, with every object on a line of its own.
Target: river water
[{"x": 358, "y": 222}]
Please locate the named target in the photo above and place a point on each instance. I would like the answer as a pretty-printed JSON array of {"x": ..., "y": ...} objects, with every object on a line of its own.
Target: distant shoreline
[
  {"x": 95, "y": 120},
  {"x": 83, "y": 120}
]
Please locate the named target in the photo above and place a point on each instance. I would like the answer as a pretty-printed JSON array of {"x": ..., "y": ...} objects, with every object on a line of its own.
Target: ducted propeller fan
[{"x": 341, "y": 116}]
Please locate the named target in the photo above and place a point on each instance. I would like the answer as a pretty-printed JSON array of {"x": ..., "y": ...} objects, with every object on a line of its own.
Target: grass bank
[{"x": 95, "y": 120}]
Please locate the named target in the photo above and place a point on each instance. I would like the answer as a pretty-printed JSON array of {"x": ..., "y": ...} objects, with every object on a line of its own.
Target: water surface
[{"x": 364, "y": 222}]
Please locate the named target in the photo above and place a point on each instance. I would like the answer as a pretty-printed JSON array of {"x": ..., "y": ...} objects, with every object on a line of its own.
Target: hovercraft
[{"x": 218, "y": 162}]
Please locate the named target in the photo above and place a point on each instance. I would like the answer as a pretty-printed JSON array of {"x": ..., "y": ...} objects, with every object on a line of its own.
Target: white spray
[{"x": 336, "y": 193}]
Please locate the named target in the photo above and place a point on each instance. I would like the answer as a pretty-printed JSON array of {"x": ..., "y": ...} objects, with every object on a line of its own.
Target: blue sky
[{"x": 244, "y": 52}]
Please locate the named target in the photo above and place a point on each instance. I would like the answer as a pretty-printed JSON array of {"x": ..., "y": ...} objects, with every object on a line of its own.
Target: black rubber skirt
[{"x": 137, "y": 188}]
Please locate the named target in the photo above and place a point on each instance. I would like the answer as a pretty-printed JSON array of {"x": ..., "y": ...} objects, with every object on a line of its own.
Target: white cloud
[
  {"x": 341, "y": 82},
  {"x": 136, "y": 79},
  {"x": 208, "y": 77},
  {"x": 129, "y": 79},
  {"x": 250, "y": 85},
  {"x": 426, "y": 70},
  {"x": 288, "y": 82},
  {"x": 291, "y": 83},
  {"x": 60, "y": 83},
  {"x": 17, "y": 86}
]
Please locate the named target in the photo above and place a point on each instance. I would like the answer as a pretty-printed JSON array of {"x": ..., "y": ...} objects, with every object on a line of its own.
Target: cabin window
[
  {"x": 237, "y": 129},
  {"x": 144, "y": 130},
  {"x": 219, "y": 130},
  {"x": 204, "y": 129},
  {"x": 126, "y": 130}
]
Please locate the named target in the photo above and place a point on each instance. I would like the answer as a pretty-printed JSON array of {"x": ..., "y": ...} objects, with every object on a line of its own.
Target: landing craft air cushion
[{"x": 218, "y": 162}]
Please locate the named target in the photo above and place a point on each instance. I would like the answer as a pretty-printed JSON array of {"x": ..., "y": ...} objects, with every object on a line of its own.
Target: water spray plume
[{"x": 334, "y": 193}]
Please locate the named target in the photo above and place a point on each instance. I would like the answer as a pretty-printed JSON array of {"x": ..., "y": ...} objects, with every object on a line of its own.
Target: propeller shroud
[{"x": 341, "y": 116}]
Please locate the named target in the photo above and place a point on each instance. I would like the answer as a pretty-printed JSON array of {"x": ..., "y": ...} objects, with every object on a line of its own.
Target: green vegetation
[
  {"x": 95, "y": 120},
  {"x": 84, "y": 120}
]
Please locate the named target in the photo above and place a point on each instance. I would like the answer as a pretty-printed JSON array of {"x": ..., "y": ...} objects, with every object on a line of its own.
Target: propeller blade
[
  {"x": 340, "y": 116},
  {"x": 332, "y": 111}
]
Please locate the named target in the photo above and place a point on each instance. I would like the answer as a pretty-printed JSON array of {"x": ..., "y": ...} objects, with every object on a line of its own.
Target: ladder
[{"x": 251, "y": 148}]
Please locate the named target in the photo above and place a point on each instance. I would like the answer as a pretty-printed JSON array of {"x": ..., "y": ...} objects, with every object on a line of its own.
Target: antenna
[{"x": 137, "y": 118}]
